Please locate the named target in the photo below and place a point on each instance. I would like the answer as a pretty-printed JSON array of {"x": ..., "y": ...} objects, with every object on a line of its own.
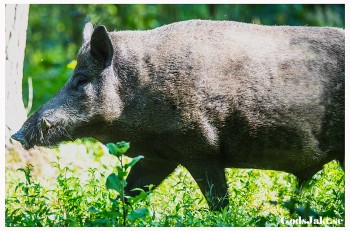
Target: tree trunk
[{"x": 15, "y": 31}]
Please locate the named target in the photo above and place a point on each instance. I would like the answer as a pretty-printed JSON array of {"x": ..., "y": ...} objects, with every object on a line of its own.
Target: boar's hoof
[{"x": 45, "y": 125}]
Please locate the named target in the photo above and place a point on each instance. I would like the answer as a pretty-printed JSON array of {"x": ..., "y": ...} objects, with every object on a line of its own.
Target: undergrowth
[{"x": 257, "y": 198}]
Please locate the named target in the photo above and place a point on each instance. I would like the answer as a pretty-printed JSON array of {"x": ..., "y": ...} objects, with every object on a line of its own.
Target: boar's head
[{"x": 86, "y": 104}]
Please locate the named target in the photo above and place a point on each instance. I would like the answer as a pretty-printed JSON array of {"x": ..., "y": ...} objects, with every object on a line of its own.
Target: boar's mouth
[
  {"x": 21, "y": 138},
  {"x": 37, "y": 135}
]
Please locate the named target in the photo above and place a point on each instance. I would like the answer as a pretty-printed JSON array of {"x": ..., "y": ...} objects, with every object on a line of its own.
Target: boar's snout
[
  {"x": 41, "y": 129},
  {"x": 20, "y": 137}
]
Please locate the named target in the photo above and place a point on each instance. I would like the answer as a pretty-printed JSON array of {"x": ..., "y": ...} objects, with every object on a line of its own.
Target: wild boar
[{"x": 207, "y": 95}]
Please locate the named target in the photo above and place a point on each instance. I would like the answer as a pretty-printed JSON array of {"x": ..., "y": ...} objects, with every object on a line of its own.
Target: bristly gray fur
[{"x": 207, "y": 95}]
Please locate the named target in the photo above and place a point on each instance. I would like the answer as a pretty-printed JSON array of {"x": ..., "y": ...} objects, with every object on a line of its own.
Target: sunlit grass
[{"x": 67, "y": 188}]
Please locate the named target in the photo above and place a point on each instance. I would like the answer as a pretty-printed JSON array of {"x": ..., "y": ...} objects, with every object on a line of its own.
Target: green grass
[{"x": 67, "y": 187}]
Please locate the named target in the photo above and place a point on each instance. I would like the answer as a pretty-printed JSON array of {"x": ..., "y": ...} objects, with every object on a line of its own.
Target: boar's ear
[
  {"x": 100, "y": 46},
  {"x": 87, "y": 32}
]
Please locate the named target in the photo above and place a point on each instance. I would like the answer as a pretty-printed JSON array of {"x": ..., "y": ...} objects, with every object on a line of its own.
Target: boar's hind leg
[
  {"x": 147, "y": 172},
  {"x": 210, "y": 178}
]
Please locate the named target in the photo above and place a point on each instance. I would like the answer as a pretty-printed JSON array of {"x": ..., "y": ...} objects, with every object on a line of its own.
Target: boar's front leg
[
  {"x": 147, "y": 172},
  {"x": 210, "y": 177}
]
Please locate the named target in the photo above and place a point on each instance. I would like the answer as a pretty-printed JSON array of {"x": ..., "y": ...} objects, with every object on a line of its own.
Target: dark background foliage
[{"x": 54, "y": 31}]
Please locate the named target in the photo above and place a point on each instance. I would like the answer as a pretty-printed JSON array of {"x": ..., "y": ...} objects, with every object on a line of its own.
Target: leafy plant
[
  {"x": 78, "y": 195},
  {"x": 29, "y": 205},
  {"x": 117, "y": 181}
]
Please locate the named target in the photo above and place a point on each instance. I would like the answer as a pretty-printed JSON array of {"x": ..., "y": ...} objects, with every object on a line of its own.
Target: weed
[
  {"x": 117, "y": 182},
  {"x": 257, "y": 198}
]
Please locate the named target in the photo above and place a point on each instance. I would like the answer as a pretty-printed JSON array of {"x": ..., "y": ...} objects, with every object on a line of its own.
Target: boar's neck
[{"x": 140, "y": 86}]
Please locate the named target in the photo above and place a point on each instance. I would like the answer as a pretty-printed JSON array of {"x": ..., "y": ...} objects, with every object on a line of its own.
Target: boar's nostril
[{"x": 45, "y": 125}]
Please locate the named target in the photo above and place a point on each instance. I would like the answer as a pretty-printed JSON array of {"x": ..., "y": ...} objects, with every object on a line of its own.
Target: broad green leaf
[
  {"x": 112, "y": 148},
  {"x": 133, "y": 161},
  {"x": 119, "y": 148},
  {"x": 138, "y": 213},
  {"x": 114, "y": 183},
  {"x": 122, "y": 147}
]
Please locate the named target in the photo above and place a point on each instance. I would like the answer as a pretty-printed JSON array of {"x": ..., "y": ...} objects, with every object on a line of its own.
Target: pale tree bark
[{"x": 16, "y": 21}]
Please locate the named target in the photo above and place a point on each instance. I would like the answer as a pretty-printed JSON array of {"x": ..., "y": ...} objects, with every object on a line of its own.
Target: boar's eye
[{"x": 82, "y": 80}]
